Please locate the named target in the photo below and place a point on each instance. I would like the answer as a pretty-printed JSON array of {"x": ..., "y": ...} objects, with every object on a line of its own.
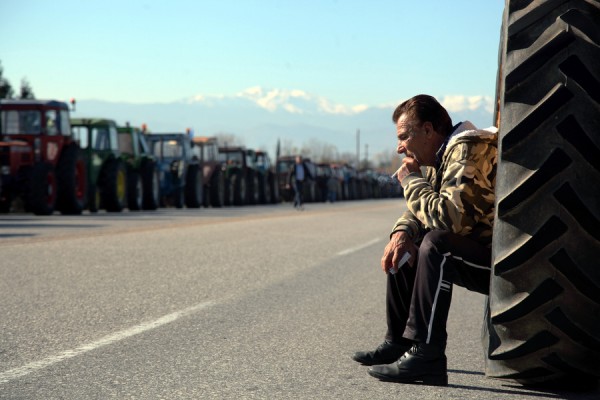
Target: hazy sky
[{"x": 351, "y": 52}]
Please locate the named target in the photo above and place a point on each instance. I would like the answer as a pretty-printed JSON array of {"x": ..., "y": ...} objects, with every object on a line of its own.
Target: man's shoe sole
[{"x": 432, "y": 380}]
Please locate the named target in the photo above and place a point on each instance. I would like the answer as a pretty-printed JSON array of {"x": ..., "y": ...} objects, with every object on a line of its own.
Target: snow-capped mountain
[{"x": 260, "y": 117}]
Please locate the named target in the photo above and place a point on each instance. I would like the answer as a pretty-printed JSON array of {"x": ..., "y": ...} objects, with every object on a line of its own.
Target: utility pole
[
  {"x": 358, "y": 148},
  {"x": 366, "y": 156}
]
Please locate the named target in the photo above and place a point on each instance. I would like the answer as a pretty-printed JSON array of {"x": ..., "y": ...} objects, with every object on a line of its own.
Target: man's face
[{"x": 411, "y": 138}]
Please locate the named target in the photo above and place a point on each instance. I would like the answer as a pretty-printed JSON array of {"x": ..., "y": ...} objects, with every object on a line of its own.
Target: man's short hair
[{"x": 425, "y": 108}]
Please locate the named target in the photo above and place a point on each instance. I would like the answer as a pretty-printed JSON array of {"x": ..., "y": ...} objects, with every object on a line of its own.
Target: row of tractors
[{"x": 51, "y": 162}]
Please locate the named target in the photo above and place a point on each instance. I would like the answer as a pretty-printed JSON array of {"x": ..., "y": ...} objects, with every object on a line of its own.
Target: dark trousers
[
  {"x": 418, "y": 297},
  {"x": 298, "y": 193}
]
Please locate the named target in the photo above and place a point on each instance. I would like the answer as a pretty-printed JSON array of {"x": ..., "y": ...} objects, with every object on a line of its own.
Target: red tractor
[{"x": 40, "y": 162}]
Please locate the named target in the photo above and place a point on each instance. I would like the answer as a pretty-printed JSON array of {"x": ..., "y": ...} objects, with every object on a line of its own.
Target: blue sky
[{"x": 350, "y": 52}]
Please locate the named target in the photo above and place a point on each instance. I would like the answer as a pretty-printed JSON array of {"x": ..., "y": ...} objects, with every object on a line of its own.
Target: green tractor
[
  {"x": 243, "y": 185},
  {"x": 267, "y": 180},
  {"x": 107, "y": 172},
  {"x": 143, "y": 184}
]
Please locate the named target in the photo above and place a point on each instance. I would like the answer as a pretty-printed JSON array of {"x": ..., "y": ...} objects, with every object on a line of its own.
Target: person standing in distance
[
  {"x": 447, "y": 231},
  {"x": 299, "y": 172}
]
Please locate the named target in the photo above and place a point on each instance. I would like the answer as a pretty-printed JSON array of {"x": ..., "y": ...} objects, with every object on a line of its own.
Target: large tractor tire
[
  {"x": 178, "y": 197},
  {"x": 272, "y": 182},
  {"x": 40, "y": 197},
  {"x": 240, "y": 188},
  {"x": 194, "y": 185},
  {"x": 543, "y": 323},
  {"x": 229, "y": 189},
  {"x": 151, "y": 185},
  {"x": 135, "y": 193},
  {"x": 217, "y": 189},
  {"x": 114, "y": 186},
  {"x": 71, "y": 181},
  {"x": 253, "y": 192}
]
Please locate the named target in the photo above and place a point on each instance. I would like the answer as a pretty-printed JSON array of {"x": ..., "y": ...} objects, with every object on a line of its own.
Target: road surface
[{"x": 257, "y": 302}]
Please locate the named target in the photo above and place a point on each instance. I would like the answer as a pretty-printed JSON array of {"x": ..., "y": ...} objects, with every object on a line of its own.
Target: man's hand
[
  {"x": 411, "y": 164},
  {"x": 399, "y": 244}
]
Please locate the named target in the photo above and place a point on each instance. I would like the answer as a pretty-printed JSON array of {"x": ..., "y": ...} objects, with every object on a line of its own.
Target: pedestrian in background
[
  {"x": 299, "y": 172},
  {"x": 332, "y": 188}
]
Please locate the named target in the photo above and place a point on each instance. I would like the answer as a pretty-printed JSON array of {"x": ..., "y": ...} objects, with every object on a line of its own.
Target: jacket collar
[{"x": 456, "y": 129}]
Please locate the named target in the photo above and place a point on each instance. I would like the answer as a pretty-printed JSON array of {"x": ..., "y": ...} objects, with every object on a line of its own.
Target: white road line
[
  {"x": 357, "y": 248},
  {"x": 105, "y": 341}
]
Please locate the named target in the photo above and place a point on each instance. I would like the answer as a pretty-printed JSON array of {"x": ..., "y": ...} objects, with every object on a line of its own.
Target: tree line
[{"x": 7, "y": 91}]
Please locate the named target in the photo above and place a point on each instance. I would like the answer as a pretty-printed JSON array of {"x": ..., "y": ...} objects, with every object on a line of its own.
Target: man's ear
[{"x": 428, "y": 127}]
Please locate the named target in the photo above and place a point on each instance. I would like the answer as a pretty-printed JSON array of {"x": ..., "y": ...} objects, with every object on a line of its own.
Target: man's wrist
[
  {"x": 410, "y": 177},
  {"x": 402, "y": 229}
]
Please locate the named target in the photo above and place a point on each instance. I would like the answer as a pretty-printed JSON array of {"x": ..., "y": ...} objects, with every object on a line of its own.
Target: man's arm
[{"x": 466, "y": 194}]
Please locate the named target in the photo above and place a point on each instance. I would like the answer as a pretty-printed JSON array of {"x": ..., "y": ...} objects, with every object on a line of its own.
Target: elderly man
[{"x": 447, "y": 232}]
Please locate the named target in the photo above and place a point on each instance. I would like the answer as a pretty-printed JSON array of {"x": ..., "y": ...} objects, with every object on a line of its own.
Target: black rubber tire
[
  {"x": 151, "y": 185},
  {"x": 5, "y": 203},
  {"x": 72, "y": 182},
  {"x": 94, "y": 198},
  {"x": 272, "y": 182},
  {"x": 229, "y": 189},
  {"x": 544, "y": 312},
  {"x": 135, "y": 191},
  {"x": 266, "y": 194},
  {"x": 194, "y": 186},
  {"x": 240, "y": 188},
  {"x": 41, "y": 191},
  {"x": 114, "y": 186},
  {"x": 253, "y": 192},
  {"x": 178, "y": 197},
  {"x": 217, "y": 189}
]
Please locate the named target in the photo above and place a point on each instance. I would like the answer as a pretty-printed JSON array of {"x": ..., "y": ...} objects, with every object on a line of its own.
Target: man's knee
[{"x": 436, "y": 241}]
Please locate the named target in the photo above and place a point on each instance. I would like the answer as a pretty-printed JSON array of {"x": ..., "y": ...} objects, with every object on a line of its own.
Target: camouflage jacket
[{"x": 458, "y": 195}]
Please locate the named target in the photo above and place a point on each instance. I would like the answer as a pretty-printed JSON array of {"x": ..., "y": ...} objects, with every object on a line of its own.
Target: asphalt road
[{"x": 246, "y": 303}]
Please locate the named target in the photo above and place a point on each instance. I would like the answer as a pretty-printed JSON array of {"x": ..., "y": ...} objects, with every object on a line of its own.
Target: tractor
[
  {"x": 106, "y": 171},
  {"x": 181, "y": 180},
  {"x": 41, "y": 162},
  {"x": 143, "y": 183},
  {"x": 206, "y": 150}
]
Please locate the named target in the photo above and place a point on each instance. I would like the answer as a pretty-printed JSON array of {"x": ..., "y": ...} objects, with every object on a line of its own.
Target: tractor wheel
[
  {"x": 272, "y": 182},
  {"x": 41, "y": 189},
  {"x": 114, "y": 186},
  {"x": 543, "y": 323},
  {"x": 178, "y": 200},
  {"x": 5, "y": 203},
  {"x": 94, "y": 198},
  {"x": 206, "y": 189},
  {"x": 266, "y": 195},
  {"x": 217, "y": 189},
  {"x": 71, "y": 181},
  {"x": 239, "y": 188},
  {"x": 135, "y": 194},
  {"x": 150, "y": 185},
  {"x": 253, "y": 184},
  {"x": 193, "y": 187},
  {"x": 229, "y": 189}
]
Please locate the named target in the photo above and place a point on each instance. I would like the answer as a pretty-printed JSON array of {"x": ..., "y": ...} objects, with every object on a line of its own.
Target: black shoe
[
  {"x": 386, "y": 353},
  {"x": 423, "y": 363}
]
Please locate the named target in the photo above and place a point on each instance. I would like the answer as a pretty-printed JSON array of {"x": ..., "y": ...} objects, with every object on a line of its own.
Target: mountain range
[{"x": 259, "y": 118}]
